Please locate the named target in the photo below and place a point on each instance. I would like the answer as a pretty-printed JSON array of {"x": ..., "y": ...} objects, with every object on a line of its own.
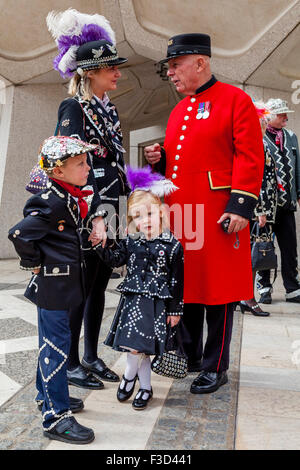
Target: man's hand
[
  {"x": 237, "y": 222},
  {"x": 173, "y": 319},
  {"x": 152, "y": 153},
  {"x": 262, "y": 220},
  {"x": 98, "y": 233},
  {"x": 36, "y": 271}
]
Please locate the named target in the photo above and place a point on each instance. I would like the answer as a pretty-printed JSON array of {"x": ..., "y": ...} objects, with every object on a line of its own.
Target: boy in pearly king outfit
[{"x": 48, "y": 242}]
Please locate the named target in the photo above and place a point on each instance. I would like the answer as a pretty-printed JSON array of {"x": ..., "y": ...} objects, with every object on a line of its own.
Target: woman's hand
[
  {"x": 173, "y": 320},
  {"x": 98, "y": 233},
  {"x": 262, "y": 220}
]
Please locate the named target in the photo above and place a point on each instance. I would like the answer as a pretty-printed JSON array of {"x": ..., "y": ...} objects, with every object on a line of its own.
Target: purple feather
[
  {"x": 142, "y": 178},
  {"x": 90, "y": 32}
]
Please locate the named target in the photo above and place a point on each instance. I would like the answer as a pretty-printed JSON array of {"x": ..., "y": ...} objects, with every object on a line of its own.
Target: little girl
[{"x": 152, "y": 290}]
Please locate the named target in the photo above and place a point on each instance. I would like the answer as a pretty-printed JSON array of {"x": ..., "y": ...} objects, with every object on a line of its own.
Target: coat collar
[
  {"x": 66, "y": 196},
  {"x": 166, "y": 236}
]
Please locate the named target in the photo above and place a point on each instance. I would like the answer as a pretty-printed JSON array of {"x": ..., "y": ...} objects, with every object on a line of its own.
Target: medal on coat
[
  {"x": 200, "y": 111},
  {"x": 206, "y": 110}
]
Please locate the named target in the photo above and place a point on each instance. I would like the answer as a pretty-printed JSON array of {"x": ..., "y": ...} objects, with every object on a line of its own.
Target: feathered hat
[
  {"x": 85, "y": 42},
  {"x": 262, "y": 110},
  {"x": 146, "y": 180}
]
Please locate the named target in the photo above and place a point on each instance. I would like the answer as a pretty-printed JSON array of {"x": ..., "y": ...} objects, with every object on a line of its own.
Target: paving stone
[{"x": 5, "y": 444}]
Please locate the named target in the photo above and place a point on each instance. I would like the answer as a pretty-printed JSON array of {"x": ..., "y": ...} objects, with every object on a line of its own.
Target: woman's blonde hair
[
  {"x": 139, "y": 197},
  {"x": 81, "y": 85}
]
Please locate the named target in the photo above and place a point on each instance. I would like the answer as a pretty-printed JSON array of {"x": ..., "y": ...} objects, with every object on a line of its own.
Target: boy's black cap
[{"x": 185, "y": 44}]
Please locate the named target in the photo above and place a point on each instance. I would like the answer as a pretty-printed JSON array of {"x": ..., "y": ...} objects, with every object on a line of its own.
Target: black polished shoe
[
  {"x": 208, "y": 382},
  {"x": 122, "y": 394},
  {"x": 99, "y": 369},
  {"x": 79, "y": 377},
  {"x": 265, "y": 298},
  {"x": 254, "y": 309},
  {"x": 294, "y": 299},
  {"x": 140, "y": 403},
  {"x": 68, "y": 430},
  {"x": 76, "y": 405}
]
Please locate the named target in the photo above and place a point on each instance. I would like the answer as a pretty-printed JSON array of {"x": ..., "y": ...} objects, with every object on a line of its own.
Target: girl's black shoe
[
  {"x": 254, "y": 309},
  {"x": 141, "y": 403},
  {"x": 122, "y": 394}
]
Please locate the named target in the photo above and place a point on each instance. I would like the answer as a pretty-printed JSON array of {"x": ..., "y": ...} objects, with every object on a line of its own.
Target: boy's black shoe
[
  {"x": 76, "y": 405},
  {"x": 71, "y": 432},
  {"x": 265, "y": 298},
  {"x": 294, "y": 299}
]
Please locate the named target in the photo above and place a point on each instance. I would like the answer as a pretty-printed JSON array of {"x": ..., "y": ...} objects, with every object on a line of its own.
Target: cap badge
[
  {"x": 170, "y": 42},
  {"x": 98, "y": 52},
  {"x": 112, "y": 49}
]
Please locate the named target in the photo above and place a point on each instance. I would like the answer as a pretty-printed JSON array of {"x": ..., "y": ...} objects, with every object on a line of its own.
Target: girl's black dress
[{"x": 151, "y": 290}]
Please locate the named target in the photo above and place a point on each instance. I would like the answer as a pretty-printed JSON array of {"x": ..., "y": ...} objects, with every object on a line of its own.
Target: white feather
[
  {"x": 71, "y": 22},
  {"x": 68, "y": 61},
  {"x": 163, "y": 187}
]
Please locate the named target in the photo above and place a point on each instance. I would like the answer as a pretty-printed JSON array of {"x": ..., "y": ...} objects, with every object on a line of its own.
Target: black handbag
[
  {"x": 173, "y": 363},
  {"x": 263, "y": 254}
]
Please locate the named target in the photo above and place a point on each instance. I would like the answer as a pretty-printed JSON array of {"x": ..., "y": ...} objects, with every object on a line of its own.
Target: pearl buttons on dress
[
  {"x": 175, "y": 168},
  {"x": 178, "y": 147},
  {"x": 193, "y": 100},
  {"x": 177, "y": 157},
  {"x": 186, "y": 118},
  {"x": 183, "y": 128},
  {"x": 181, "y": 137},
  {"x": 174, "y": 176},
  {"x": 190, "y": 108},
  {"x": 113, "y": 163}
]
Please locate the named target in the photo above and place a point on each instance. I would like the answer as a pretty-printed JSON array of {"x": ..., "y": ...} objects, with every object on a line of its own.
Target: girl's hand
[{"x": 173, "y": 320}]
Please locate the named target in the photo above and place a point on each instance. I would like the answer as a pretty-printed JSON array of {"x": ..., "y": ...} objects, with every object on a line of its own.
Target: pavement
[{"x": 258, "y": 409}]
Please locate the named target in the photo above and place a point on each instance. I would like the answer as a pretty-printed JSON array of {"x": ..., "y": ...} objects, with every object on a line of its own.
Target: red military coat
[{"x": 217, "y": 163}]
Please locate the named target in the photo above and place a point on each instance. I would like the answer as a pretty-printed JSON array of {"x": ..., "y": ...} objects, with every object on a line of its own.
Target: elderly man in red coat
[{"x": 213, "y": 152}]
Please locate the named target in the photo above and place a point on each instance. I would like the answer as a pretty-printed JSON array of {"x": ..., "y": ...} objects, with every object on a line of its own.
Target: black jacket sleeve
[
  {"x": 114, "y": 257},
  {"x": 175, "y": 305},
  {"x": 26, "y": 234},
  {"x": 160, "y": 167}
]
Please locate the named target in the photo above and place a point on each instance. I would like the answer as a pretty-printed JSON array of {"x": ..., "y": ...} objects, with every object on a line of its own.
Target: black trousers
[
  {"x": 98, "y": 275},
  {"x": 215, "y": 353},
  {"x": 285, "y": 232}
]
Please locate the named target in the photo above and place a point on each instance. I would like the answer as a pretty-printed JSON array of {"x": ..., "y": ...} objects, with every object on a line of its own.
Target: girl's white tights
[{"x": 137, "y": 364}]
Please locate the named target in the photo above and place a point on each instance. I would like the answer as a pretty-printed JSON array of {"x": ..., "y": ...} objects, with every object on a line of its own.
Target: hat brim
[
  {"x": 180, "y": 54},
  {"x": 282, "y": 111},
  {"x": 101, "y": 64}
]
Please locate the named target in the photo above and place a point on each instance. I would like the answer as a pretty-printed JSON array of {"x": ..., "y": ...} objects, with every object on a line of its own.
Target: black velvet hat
[
  {"x": 97, "y": 54},
  {"x": 185, "y": 44}
]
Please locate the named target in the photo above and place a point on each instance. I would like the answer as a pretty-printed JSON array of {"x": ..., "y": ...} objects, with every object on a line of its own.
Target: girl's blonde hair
[
  {"x": 81, "y": 85},
  {"x": 139, "y": 197}
]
